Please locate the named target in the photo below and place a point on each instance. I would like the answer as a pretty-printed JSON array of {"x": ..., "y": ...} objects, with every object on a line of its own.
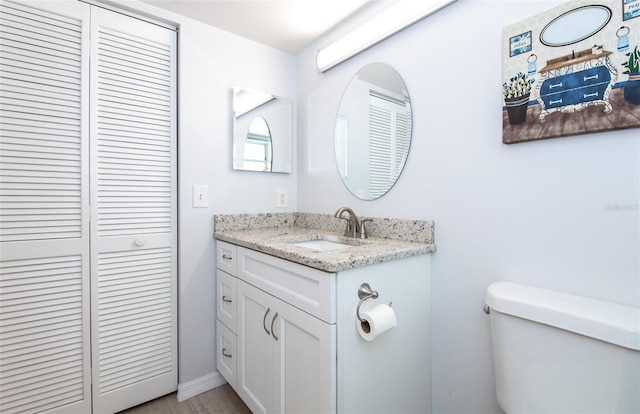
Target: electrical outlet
[
  {"x": 281, "y": 201},
  {"x": 200, "y": 196}
]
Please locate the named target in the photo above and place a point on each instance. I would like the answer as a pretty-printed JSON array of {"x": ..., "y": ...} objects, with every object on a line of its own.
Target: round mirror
[
  {"x": 373, "y": 131},
  {"x": 575, "y": 25},
  {"x": 257, "y": 146}
]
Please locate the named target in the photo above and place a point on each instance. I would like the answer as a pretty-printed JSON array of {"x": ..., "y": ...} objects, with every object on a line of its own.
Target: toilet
[{"x": 560, "y": 353}]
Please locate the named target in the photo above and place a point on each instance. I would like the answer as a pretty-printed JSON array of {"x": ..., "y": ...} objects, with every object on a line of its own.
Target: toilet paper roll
[{"x": 379, "y": 319}]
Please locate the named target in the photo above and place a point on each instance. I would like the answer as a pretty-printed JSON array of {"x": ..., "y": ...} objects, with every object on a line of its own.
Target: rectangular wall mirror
[{"x": 262, "y": 131}]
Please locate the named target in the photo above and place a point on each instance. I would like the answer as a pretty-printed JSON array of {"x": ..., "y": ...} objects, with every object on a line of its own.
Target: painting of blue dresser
[
  {"x": 574, "y": 82},
  {"x": 571, "y": 70}
]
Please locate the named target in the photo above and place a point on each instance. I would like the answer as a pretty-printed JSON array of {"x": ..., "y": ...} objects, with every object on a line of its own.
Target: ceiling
[{"x": 287, "y": 25}]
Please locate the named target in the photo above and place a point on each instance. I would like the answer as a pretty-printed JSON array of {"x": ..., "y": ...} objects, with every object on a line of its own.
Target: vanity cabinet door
[
  {"x": 287, "y": 358},
  {"x": 256, "y": 363},
  {"x": 305, "y": 361}
]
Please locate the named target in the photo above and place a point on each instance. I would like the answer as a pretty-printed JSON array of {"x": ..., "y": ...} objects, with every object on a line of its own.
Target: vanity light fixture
[{"x": 385, "y": 24}]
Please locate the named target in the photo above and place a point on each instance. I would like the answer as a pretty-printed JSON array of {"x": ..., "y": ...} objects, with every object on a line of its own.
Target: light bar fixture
[{"x": 387, "y": 23}]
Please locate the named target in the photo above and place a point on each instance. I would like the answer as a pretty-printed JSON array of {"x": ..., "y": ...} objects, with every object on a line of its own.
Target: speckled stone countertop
[{"x": 274, "y": 234}]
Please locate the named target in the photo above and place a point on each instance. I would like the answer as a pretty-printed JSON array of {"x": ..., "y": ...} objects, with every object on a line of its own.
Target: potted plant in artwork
[
  {"x": 632, "y": 68},
  {"x": 516, "y": 97}
]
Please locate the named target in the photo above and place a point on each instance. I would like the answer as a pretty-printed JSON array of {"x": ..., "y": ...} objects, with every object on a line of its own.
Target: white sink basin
[{"x": 321, "y": 245}]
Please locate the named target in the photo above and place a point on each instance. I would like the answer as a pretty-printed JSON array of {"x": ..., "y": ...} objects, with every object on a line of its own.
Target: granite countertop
[{"x": 278, "y": 240}]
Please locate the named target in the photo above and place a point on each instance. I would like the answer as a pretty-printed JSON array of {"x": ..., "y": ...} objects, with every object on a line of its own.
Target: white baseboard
[{"x": 200, "y": 385}]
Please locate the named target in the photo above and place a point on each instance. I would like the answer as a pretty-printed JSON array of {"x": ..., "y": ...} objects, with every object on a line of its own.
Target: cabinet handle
[
  {"x": 273, "y": 333},
  {"x": 225, "y": 353},
  {"x": 586, "y": 78},
  {"x": 555, "y": 85},
  {"x": 225, "y": 257},
  {"x": 589, "y": 95},
  {"x": 225, "y": 298},
  {"x": 555, "y": 102},
  {"x": 264, "y": 321}
]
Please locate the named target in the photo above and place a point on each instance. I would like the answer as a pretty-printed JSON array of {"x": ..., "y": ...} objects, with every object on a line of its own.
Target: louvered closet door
[
  {"x": 44, "y": 216},
  {"x": 133, "y": 198},
  {"x": 381, "y": 144},
  {"x": 389, "y": 140}
]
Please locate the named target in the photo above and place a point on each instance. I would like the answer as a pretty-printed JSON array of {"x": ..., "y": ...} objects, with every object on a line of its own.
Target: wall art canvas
[{"x": 572, "y": 70}]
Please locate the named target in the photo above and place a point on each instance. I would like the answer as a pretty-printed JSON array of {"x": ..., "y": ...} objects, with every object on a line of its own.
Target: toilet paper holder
[{"x": 365, "y": 292}]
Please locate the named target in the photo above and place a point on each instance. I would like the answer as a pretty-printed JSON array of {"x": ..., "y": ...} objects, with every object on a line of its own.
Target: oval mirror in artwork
[
  {"x": 373, "y": 131},
  {"x": 575, "y": 25},
  {"x": 262, "y": 132}
]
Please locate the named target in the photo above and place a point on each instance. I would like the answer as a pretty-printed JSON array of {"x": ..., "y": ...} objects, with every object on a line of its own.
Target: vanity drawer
[
  {"x": 308, "y": 289},
  {"x": 226, "y": 299},
  {"x": 226, "y": 257},
  {"x": 226, "y": 359}
]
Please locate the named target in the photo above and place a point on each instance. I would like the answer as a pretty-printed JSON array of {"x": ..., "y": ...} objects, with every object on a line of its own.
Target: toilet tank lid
[{"x": 606, "y": 321}]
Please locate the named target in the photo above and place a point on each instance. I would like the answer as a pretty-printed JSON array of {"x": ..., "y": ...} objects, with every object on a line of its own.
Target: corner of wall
[{"x": 199, "y": 385}]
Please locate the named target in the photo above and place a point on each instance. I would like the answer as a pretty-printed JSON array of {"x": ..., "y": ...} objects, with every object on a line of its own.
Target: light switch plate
[{"x": 200, "y": 196}]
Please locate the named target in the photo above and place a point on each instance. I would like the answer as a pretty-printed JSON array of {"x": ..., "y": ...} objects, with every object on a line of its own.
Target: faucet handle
[{"x": 363, "y": 231}]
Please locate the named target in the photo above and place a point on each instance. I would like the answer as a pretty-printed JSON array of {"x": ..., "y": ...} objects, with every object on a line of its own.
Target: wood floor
[{"x": 218, "y": 400}]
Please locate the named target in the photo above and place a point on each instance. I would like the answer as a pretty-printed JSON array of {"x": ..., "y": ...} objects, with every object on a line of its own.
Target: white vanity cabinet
[
  {"x": 286, "y": 336},
  {"x": 296, "y": 348},
  {"x": 277, "y": 357}
]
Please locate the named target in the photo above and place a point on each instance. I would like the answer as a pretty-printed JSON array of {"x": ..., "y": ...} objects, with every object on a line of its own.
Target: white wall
[
  {"x": 211, "y": 63},
  {"x": 536, "y": 213}
]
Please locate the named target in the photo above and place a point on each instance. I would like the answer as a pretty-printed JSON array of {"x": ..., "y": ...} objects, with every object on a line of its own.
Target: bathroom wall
[
  {"x": 560, "y": 213},
  {"x": 211, "y": 63}
]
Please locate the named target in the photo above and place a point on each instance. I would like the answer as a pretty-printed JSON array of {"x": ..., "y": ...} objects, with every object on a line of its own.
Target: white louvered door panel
[
  {"x": 133, "y": 183},
  {"x": 389, "y": 140},
  {"x": 402, "y": 141},
  {"x": 380, "y": 148},
  {"x": 44, "y": 208}
]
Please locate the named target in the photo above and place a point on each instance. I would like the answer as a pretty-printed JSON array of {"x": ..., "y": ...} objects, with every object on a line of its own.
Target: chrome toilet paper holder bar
[{"x": 365, "y": 292}]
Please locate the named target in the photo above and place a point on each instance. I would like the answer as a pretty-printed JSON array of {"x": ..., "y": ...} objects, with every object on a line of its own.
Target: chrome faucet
[{"x": 354, "y": 227}]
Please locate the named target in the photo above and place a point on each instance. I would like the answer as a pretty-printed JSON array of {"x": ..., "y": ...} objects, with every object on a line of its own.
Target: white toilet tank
[{"x": 560, "y": 353}]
